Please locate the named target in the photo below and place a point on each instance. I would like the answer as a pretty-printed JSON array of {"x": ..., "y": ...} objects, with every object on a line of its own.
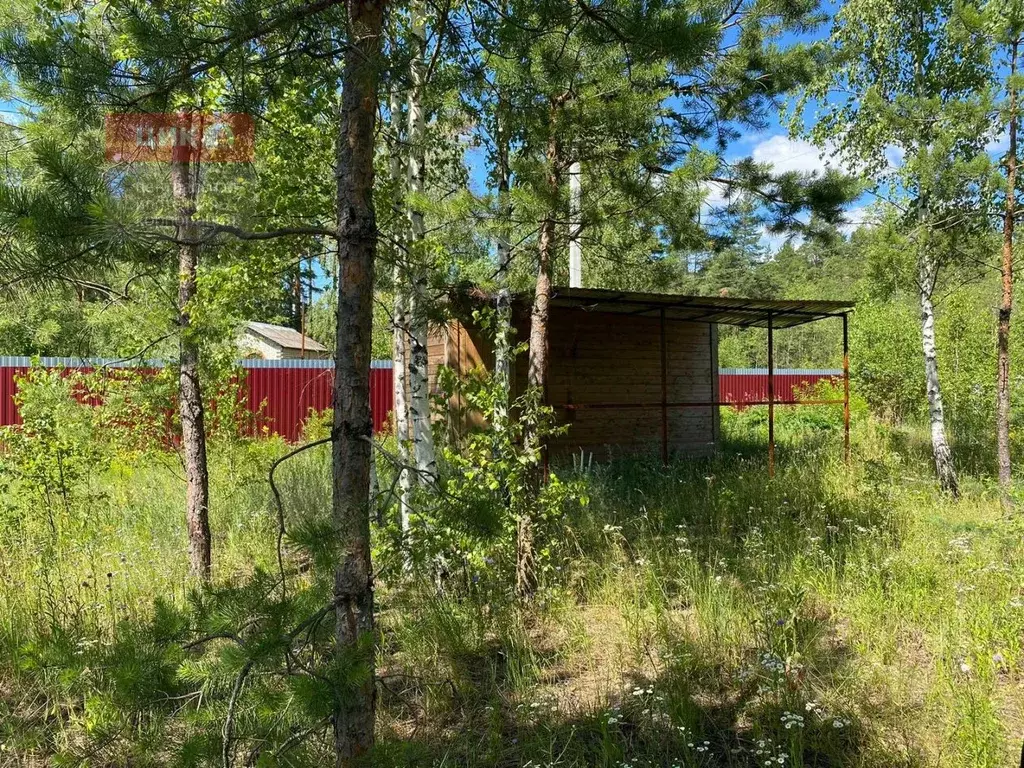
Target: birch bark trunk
[
  {"x": 419, "y": 395},
  {"x": 352, "y": 428},
  {"x": 503, "y": 332},
  {"x": 1006, "y": 304},
  {"x": 400, "y": 365},
  {"x": 400, "y": 327},
  {"x": 928, "y": 271},
  {"x": 185, "y": 186}
]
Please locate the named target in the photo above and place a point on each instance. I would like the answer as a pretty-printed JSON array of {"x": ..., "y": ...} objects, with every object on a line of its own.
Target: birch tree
[
  {"x": 907, "y": 108},
  {"x": 400, "y": 319},
  {"x": 419, "y": 395}
]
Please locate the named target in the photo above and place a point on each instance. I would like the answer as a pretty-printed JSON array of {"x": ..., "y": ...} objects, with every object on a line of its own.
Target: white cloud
[
  {"x": 998, "y": 144},
  {"x": 715, "y": 195},
  {"x": 855, "y": 217},
  {"x": 774, "y": 241},
  {"x": 785, "y": 154}
]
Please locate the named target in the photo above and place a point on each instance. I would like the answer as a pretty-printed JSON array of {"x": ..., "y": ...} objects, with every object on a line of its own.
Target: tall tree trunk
[
  {"x": 1006, "y": 305},
  {"x": 185, "y": 186},
  {"x": 503, "y": 308},
  {"x": 927, "y": 273},
  {"x": 400, "y": 366},
  {"x": 352, "y": 429},
  {"x": 400, "y": 327},
  {"x": 537, "y": 371},
  {"x": 419, "y": 394}
]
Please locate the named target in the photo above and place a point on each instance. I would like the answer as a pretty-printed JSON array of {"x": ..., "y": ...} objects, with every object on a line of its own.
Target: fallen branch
[
  {"x": 229, "y": 720},
  {"x": 280, "y": 506}
]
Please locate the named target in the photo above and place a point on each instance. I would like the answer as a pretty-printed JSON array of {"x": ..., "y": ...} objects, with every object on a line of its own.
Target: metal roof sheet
[
  {"x": 724, "y": 310},
  {"x": 285, "y": 337}
]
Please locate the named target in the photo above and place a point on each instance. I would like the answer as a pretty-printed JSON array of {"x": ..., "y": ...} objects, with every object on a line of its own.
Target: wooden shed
[{"x": 629, "y": 372}]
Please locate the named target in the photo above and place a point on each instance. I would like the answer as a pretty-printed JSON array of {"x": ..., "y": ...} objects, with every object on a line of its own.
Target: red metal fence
[
  {"x": 285, "y": 392},
  {"x": 281, "y": 394},
  {"x": 750, "y": 385}
]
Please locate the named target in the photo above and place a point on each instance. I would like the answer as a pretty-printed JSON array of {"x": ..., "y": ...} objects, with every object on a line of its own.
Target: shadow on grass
[
  {"x": 675, "y": 721},
  {"x": 694, "y": 704}
]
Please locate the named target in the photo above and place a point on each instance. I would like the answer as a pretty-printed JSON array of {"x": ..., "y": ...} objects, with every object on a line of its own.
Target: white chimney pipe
[{"x": 575, "y": 225}]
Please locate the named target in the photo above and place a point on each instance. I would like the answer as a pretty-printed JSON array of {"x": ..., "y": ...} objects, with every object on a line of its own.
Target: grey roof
[
  {"x": 284, "y": 337},
  {"x": 707, "y": 309}
]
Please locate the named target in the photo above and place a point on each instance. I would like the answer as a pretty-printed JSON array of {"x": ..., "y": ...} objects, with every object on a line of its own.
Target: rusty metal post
[
  {"x": 846, "y": 388},
  {"x": 664, "y": 392},
  {"x": 771, "y": 399}
]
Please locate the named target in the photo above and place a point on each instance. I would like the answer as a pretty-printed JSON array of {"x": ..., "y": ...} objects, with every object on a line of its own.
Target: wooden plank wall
[
  {"x": 609, "y": 358},
  {"x": 463, "y": 348},
  {"x": 613, "y": 358}
]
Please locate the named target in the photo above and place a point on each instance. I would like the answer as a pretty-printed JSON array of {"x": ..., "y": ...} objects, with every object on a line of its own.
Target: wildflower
[
  {"x": 960, "y": 545},
  {"x": 791, "y": 720}
]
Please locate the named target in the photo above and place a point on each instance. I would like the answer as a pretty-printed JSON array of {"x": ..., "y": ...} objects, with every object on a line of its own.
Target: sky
[{"x": 770, "y": 145}]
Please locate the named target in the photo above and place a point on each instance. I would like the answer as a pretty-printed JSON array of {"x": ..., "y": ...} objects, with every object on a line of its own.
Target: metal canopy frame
[
  {"x": 723, "y": 310},
  {"x": 745, "y": 313}
]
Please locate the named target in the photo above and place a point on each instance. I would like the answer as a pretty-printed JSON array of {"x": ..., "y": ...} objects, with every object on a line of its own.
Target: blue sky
[{"x": 770, "y": 144}]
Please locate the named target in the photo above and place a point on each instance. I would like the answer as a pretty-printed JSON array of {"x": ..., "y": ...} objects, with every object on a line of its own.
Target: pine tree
[
  {"x": 357, "y": 242},
  {"x": 633, "y": 91},
  {"x": 1004, "y": 22}
]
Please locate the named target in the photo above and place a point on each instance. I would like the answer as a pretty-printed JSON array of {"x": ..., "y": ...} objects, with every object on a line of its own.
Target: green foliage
[
  {"x": 55, "y": 448},
  {"x": 699, "y": 614},
  {"x": 697, "y": 604},
  {"x": 489, "y": 480}
]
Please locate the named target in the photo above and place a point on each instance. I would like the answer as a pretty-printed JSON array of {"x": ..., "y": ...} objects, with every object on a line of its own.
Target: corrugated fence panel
[
  {"x": 280, "y": 394},
  {"x": 750, "y": 385},
  {"x": 382, "y": 393},
  {"x": 8, "y": 387}
]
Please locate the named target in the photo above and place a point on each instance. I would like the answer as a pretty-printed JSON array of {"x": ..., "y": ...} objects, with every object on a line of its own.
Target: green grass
[{"x": 696, "y": 616}]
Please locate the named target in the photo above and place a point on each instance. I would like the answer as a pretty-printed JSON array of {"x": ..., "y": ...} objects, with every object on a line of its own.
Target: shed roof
[
  {"x": 706, "y": 309},
  {"x": 284, "y": 337}
]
